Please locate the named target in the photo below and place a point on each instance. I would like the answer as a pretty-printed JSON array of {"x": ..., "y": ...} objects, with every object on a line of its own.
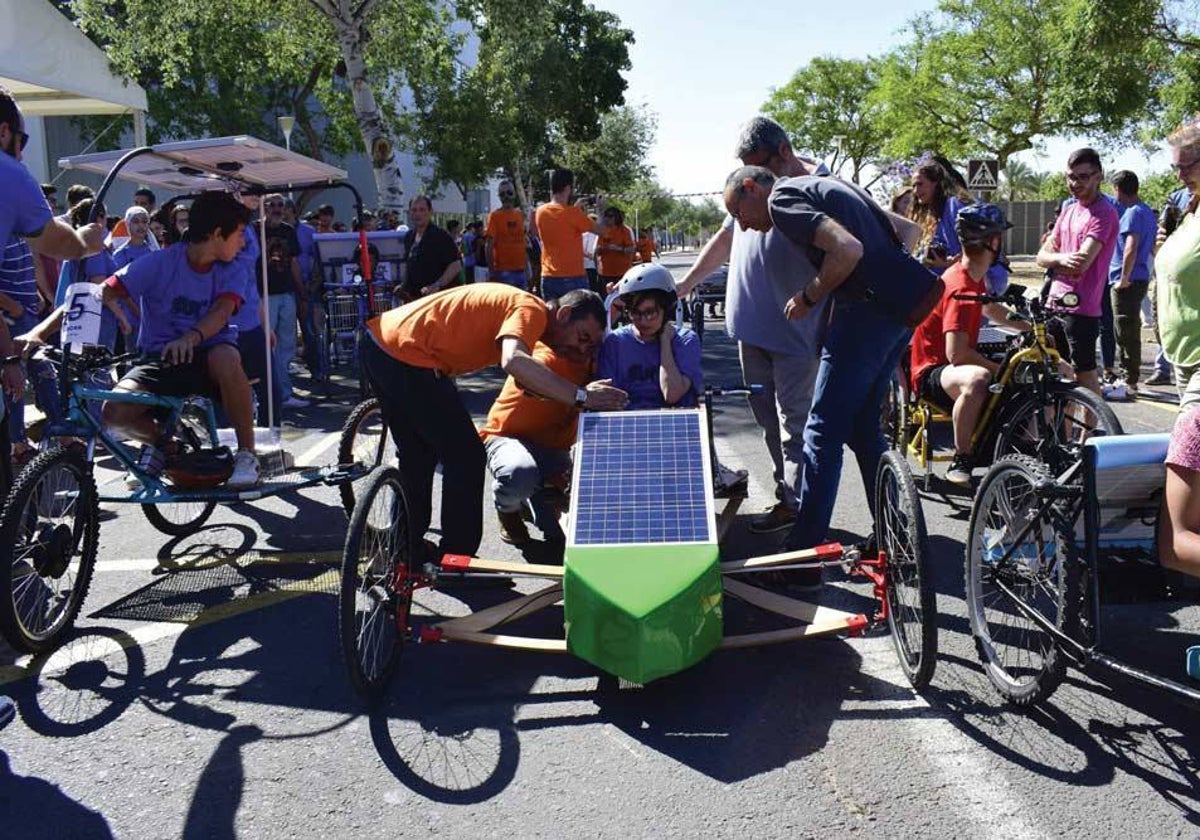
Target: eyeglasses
[
  {"x": 1078, "y": 177},
  {"x": 24, "y": 139},
  {"x": 1183, "y": 167},
  {"x": 274, "y": 204},
  {"x": 645, "y": 313}
]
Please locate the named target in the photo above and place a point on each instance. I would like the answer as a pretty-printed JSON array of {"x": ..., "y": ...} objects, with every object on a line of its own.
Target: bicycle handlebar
[{"x": 736, "y": 391}]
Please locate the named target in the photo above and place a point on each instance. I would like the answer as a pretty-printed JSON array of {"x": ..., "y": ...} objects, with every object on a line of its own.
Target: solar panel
[{"x": 642, "y": 477}]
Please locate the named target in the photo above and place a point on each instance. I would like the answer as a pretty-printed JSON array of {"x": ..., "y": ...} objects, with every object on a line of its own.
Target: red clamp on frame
[
  {"x": 828, "y": 551},
  {"x": 429, "y": 634},
  {"x": 456, "y": 562}
]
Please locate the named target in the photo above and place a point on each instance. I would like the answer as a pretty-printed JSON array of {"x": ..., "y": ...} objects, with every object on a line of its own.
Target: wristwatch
[{"x": 580, "y": 397}]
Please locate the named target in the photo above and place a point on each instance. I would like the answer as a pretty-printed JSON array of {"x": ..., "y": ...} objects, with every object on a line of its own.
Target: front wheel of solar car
[{"x": 901, "y": 537}]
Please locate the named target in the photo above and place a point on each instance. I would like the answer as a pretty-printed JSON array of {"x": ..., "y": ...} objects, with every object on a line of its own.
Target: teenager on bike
[{"x": 947, "y": 368}]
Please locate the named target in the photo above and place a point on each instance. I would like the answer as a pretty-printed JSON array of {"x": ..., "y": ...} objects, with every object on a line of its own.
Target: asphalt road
[{"x": 204, "y": 696}]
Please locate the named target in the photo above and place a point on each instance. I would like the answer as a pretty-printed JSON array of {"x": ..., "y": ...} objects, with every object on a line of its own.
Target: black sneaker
[
  {"x": 960, "y": 470},
  {"x": 1160, "y": 377},
  {"x": 779, "y": 517}
]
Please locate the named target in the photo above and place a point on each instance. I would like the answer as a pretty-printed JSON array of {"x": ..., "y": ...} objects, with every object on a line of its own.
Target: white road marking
[
  {"x": 308, "y": 456},
  {"x": 983, "y": 796}
]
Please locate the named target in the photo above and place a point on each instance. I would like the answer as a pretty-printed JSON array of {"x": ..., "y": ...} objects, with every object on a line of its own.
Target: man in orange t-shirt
[
  {"x": 615, "y": 248},
  {"x": 505, "y": 232},
  {"x": 528, "y": 441},
  {"x": 560, "y": 227},
  {"x": 417, "y": 349}
]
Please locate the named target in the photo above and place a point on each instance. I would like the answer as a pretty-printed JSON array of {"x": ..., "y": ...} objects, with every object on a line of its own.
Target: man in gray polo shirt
[{"x": 765, "y": 271}]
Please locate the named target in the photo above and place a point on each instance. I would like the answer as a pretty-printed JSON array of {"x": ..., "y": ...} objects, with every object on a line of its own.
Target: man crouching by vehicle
[
  {"x": 947, "y": 369},
  {"x": 188, "y": 293}
]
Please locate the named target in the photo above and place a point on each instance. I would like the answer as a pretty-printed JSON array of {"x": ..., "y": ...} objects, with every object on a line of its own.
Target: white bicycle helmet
[{"x": 645, "y": 278}]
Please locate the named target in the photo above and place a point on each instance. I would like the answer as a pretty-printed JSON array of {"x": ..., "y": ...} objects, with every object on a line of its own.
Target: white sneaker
[
  {"x": 1115, "y": 391},
  {"x": 295, "y": 402},
  {"x": 132, "y": 482},
  {"x": 245, "y": 470}
]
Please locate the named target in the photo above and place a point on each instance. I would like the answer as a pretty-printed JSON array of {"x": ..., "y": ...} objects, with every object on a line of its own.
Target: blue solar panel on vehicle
[{"x": 641, "y": 478}]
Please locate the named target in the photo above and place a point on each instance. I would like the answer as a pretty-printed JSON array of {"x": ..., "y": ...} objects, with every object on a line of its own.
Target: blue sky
[{"x": 705, "y": 66}]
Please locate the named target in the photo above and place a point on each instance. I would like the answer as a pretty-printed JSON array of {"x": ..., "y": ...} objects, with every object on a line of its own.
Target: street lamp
[{"x": 286, "y": 124}]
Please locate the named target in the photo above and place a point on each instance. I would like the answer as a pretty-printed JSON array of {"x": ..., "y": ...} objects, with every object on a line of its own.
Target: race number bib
[{"x": 81, "y": 322}]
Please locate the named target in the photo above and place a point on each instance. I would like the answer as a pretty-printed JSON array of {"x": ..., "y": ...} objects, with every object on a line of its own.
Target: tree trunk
[
  {"x": 350, "y": 29},
  {"x": 519, "y": 185}
]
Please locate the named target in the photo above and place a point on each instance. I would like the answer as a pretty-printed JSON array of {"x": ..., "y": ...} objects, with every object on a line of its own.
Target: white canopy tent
[{"x": 53, "y": 69}]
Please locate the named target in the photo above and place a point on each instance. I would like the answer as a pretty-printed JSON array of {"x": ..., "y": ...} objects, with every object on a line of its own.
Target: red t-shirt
[{"x": 950, "y": 315}]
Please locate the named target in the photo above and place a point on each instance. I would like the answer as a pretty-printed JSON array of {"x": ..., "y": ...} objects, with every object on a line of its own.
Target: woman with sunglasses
[
  {"x": 1177, "y": 271},
  {"x": 652, "y": 361}
]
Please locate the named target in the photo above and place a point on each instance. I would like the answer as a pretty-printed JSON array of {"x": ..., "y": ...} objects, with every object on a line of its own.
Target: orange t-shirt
[
  {"x": 612, "y": 263},
  {"x": 561, "y": 228},
  {"x": 645, "y": 247},
  {"x": 548, "y": 423},
  {"x": 506, "y": 229},
  {"x": 458, "y": 331}
]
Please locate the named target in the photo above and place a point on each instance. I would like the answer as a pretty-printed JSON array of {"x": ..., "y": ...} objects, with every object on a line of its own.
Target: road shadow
[{"x": 34, "y": 808}]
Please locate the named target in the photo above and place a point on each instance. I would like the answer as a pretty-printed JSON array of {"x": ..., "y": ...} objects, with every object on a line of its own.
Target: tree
[
  {"x": 827, "y": 108},
  {"x": 1019, "y": 182},
  {"x": 994, "y": 76},
  {"x": 231, "y": 67},
  {"x": 616, "y": 159}
]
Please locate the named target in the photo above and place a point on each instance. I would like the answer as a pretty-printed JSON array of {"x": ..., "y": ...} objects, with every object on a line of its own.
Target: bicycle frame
[{"x": 1039, "y": 356}]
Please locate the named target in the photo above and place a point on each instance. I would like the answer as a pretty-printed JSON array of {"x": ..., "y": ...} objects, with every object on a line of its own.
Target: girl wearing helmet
[{"x": 655, "y": 363}]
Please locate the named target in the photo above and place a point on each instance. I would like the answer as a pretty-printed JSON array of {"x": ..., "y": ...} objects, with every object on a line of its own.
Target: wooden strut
[
  {"x": 829, "y": 551},
  {"x": 477, "y": 622},
  {"x": 818, "y": 619},
  {"x": 727, "y": 515}
]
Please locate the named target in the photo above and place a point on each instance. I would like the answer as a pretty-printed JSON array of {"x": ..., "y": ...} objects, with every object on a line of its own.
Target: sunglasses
[
  {"x": 645, "y": 313},
  {"x": 24, "y": 138}
]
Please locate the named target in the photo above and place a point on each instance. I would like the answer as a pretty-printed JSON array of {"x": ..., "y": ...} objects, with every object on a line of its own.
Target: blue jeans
[
  {"x": 861, "y": 351},
  {"x": 314, "y": 359},
  {"x": 1108, "y": 330},
  {"x": 43, "y": 378},
  {"x": 556, "y": 287},
  {"x": 283, "y": 322},
  {"x": 513, "y": 278}
]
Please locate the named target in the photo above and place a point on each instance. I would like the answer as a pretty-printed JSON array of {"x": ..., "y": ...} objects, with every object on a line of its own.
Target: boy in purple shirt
[
  {"x": 1078, "y": 252},
  {"x": 188, "y": 294}
]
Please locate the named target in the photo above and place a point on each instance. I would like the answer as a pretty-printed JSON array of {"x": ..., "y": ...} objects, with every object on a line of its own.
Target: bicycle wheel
[
  {"x": 178, "y": 519},
  {"x": 1020, "y": 659},
  {"x": 48, "y": 538},
  {"x": 374, "y": 596},
  {"x": 698, "y": 317},
  {"x": 895, "y": 416},
  {"x": 364, "y": 441},
  {"x": 900, "y": 535},
  {"x": 1054, "y": 433}
]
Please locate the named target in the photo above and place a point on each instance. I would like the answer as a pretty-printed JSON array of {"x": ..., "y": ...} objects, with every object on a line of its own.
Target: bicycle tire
[
  {"x": 377, "y": 540},
  {"x": 43, "y": 550},
  {"x": 900, "y": 534},
  {"x": 1022, "y": 662},
  {"x": 352, "y": 451},
  {"x": 1018, "y": 431},
  {"x": 895, "y": 416},
  {"x": 698, "y": 317},
  {"x": 179, "y": 519}
]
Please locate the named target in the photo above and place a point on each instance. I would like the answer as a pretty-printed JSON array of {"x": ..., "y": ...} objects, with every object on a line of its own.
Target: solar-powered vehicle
[
  {"x": 50, "y": 524},
  {"x": 642, "y": 584}
]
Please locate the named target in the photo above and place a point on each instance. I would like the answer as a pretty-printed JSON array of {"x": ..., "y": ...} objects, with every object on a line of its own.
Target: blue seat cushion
[{"x": 1129, "y": 450}]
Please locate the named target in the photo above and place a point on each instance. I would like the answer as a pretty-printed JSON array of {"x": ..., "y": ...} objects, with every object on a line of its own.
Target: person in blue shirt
[
  {"x": 654, "y": 362},
  {"x": 1129, "y": 272}
]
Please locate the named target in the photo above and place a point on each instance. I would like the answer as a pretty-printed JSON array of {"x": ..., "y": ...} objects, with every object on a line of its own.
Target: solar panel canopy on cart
[{"x": 642, "y": 586}]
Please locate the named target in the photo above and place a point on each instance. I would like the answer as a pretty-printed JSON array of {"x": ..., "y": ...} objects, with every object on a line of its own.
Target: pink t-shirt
[{"x": 1098, "y": 220}]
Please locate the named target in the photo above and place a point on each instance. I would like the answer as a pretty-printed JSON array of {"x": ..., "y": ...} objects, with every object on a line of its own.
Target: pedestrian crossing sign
[{"x": 983, "y": 175}]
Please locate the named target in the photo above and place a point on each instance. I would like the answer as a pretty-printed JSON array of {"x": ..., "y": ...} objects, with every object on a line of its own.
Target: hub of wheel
[{"x": 52, "y": 553}]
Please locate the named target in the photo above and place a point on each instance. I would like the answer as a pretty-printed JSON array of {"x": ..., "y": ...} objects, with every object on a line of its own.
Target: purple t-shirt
[
  {"x": 248, "y": 318},
  {"x": 175, "y": 297},
  {"x": 633, "y": 366},
  {"x": 24, "y": 211},
  {"x": 1076, "y": 223}
]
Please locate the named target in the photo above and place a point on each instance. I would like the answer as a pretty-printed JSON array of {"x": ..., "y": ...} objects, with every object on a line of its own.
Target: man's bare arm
[{"x": 59, "y": 239}]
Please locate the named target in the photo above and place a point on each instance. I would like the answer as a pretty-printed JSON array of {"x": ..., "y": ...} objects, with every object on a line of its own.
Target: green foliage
[
  {"x": 1019, "y": 182},
  {"x": 616, "y": 159},
  {"x": 1053, "y": 187},
  {"x": 828, "y": 110},
  {"x": 992, "y": 76},
  {"x": 1154, "y": 189}
]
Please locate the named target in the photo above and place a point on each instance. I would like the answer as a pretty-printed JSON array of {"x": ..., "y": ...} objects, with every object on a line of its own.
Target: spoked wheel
[
  {"x": 376, "y": 592},
  {"x": 364, "y": 441},
  {"x": 1054, "y": 433},
  {"x": 895, "y": 415},
  {"x": 178, "y": 519},
  {"x": 1011, "y": 519},
  {"x": 48, "y": 538},
  {"x": 698, "y": 316},
  {"x": 900, "y": 533}
]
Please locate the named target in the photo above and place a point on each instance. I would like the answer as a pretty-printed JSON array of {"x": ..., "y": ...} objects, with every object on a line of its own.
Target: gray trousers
[
  {"x": 781, "y": 409},
  {"x": 519, "y": 469}
]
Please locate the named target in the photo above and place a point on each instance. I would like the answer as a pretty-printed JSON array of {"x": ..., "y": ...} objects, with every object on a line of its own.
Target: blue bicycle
[{"x": 49, "y": 530}]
